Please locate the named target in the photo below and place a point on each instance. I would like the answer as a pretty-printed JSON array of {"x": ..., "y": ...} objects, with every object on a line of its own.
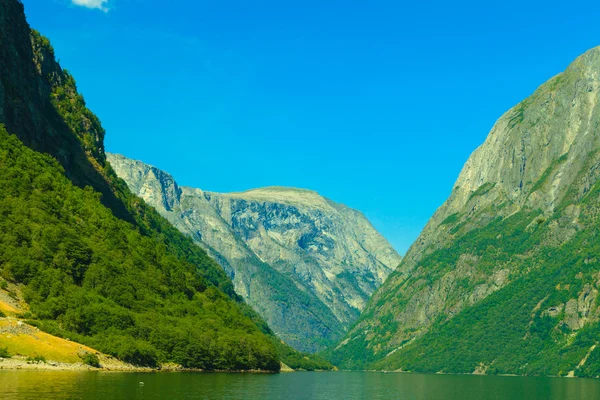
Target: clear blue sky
[{"x": 375, "y": 104}]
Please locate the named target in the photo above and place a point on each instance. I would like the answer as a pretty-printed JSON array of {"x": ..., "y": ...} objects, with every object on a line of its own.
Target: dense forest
[
  {"x": 94, "y": 278},
  {"x": 502, "y": 334},
  {"x": 525, "y": 327},
  {"x": 96, "y": 264}
]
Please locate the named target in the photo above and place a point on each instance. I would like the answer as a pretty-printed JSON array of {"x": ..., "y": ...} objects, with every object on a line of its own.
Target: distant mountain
[
  {"x": 93, "y": 261},
  {"x": 306, "y": 264},
  {"x": 505, "y": 276}
]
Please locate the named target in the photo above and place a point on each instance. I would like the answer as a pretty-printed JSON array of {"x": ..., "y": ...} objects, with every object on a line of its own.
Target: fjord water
[{"x": 290, "y": 386}]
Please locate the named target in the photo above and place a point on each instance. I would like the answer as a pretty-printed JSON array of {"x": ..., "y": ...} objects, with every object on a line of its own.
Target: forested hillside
[
  {"x": 95, "y": 262},
  {"x": 96, "y": 279}
]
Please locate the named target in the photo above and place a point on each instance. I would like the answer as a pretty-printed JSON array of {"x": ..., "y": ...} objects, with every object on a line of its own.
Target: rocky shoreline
[
  {"x": 19, "y": 362},
  {"x": 114, "y": 365}
]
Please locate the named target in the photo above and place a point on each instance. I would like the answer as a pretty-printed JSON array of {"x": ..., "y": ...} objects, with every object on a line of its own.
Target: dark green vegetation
[
  {"x": 96, "y": 264},
  {"x": 551, "y": 168},
  {"x": 483, "y": 189},
  {"x": 94, "y": 278},
  {"x": 274, "y": 287},
  {"x": 505, "y": 278},
  {"x": 36, "y": 359},
  {"x": 512, "y": 330},
  {"x": 302, "y": 361},
  {"x": 91, "y": 360},
  {"x": 4, "y": 352},
  {"x": 523, "y": 327}
]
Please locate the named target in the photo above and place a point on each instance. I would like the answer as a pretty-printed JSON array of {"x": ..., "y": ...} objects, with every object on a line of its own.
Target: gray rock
[
  {"x": 305, "y": 263},
  {"x": 540, "y": 154}
]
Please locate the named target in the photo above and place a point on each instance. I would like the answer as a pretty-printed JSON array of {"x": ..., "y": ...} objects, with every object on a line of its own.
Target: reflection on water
[{"x": 292, "y": 386}]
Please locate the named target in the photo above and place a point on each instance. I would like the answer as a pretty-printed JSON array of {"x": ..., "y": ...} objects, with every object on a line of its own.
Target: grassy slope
[{"x": 38, "y": 343}]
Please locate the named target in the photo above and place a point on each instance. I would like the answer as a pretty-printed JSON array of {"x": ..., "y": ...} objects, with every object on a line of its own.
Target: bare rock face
[
  {"x": 530, "y": 158},
  {"x": 306, "y": 264},
  {"x": 525, "y": 204}
]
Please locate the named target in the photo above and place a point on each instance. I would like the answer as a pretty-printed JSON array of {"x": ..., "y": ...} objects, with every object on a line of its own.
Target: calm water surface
[{"x": 291, "y": 386}]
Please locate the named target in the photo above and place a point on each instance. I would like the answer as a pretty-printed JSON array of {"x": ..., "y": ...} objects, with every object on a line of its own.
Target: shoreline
[
  {"x": 18, "y": 363},
  {"x": 21, "y": 363},
  {"x": 26, "y": 342},
  {"x": 397, "y": 371}
]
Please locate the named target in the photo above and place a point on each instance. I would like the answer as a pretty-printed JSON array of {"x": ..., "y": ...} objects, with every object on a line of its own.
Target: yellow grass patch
[
  {"x": 7, "y": 308},
  {"x": 37, "y": 343}
]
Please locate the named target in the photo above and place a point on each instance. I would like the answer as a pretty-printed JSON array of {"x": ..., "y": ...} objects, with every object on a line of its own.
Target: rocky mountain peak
[
  {"x": 155, "y": 186},
  {"x": 308, "y": 265},
  {"x": 534, "y": 152},
  {"x": 285, "y": 195},
  {"x": 589, "y": 59},
  {"x": 511, "y": 235}
]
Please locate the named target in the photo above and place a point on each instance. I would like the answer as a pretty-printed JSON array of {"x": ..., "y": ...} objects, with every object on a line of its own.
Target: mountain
[
  {"x": 95, "y": 263},
  {"x": 306, "y": 264},
  {"x": 505, "y": 276}
]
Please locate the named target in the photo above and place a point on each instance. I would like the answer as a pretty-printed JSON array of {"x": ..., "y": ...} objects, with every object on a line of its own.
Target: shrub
[
  {"x": 36, "y": 359},
  {"x": 4, "y": 352},
  {"x": 138, "y": 353},
  {"x": 91, "y": 359}
]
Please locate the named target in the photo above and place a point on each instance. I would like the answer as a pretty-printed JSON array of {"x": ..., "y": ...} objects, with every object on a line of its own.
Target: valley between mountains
[
  {"x": 306, "y": 264},
  {"x": 105, "y": 259}
]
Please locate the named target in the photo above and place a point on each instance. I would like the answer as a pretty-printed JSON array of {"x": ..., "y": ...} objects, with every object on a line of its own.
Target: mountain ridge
[
  {"x": 522, "y": 204},
  {"x": 327, "y": 257}
]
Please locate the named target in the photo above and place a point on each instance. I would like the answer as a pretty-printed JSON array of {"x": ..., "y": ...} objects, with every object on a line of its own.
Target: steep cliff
[
  {"x": 306, "y": 264},
  {"x": 505, "y": 276}
]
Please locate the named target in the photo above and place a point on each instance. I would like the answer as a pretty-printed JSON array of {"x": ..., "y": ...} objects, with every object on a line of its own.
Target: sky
[{"x": 374, "y": 104}]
